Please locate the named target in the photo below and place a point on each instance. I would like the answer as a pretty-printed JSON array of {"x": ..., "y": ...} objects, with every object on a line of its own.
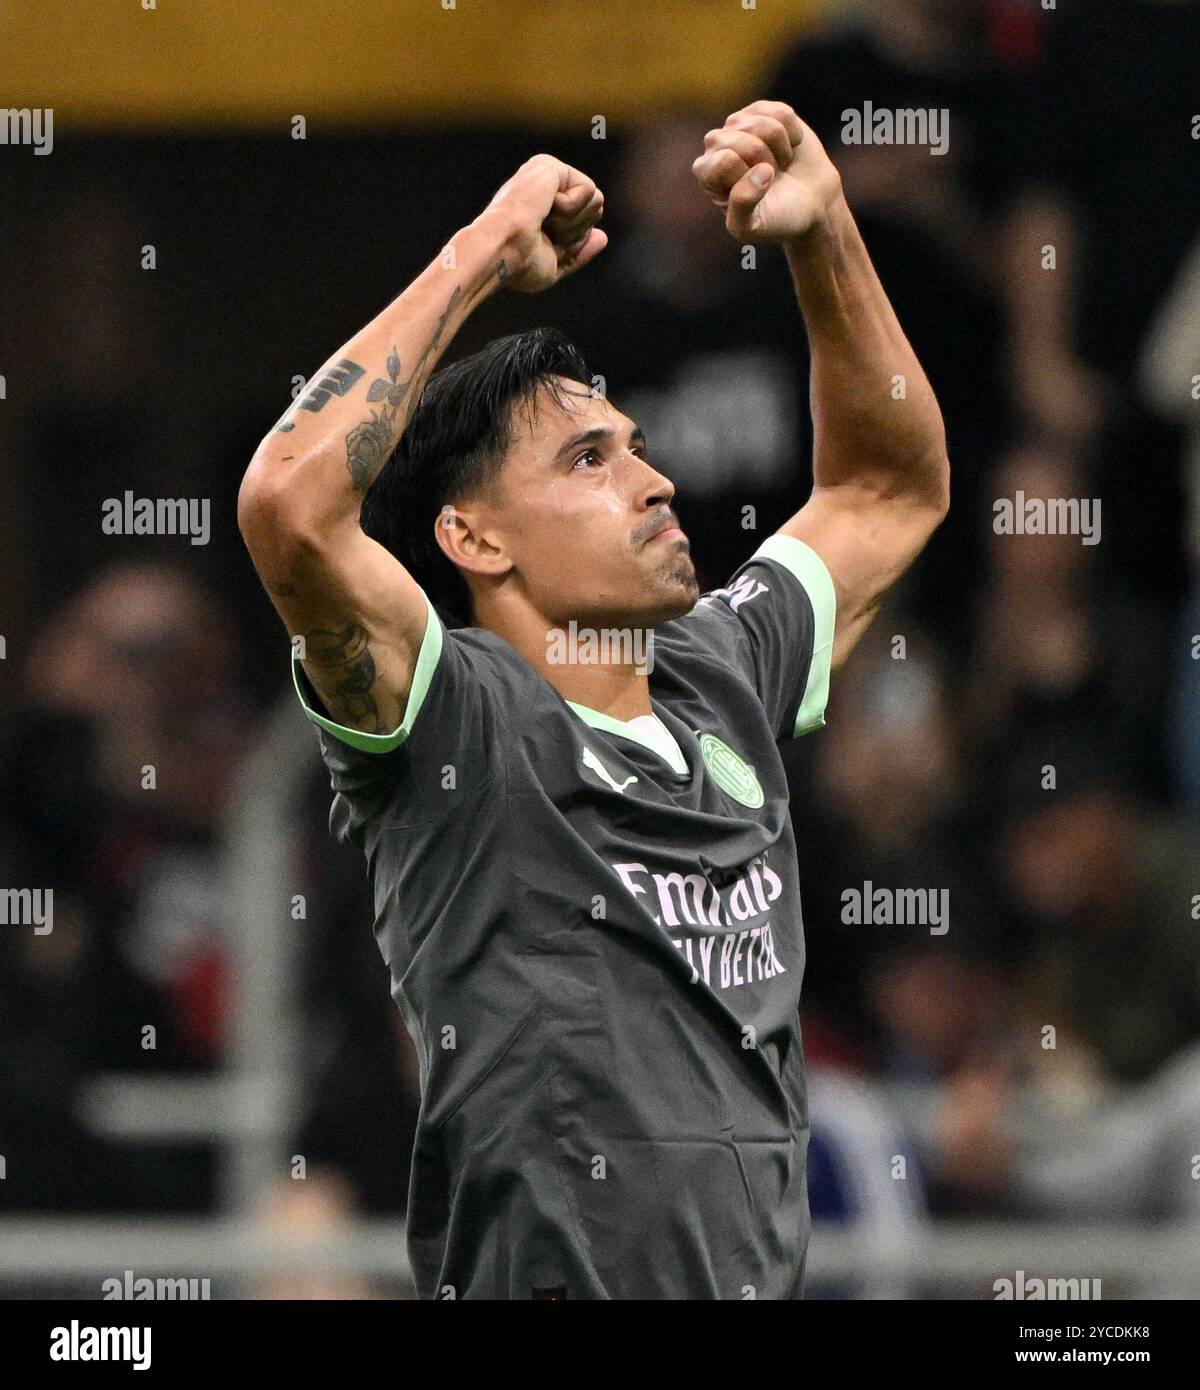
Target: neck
[
  {"x": 620, "y": 691},
  {"x": 604, "y": 668}
]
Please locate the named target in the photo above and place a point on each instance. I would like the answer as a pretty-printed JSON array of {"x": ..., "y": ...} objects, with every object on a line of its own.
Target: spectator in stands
[
  {"x": 1054, "y": 636},
  {"x": 1105, "y": 890},
  {"x": 888, "y": 793}
]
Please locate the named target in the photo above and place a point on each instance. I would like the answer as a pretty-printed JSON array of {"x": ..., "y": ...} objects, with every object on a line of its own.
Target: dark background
[{"x": 1072, "y": 907}]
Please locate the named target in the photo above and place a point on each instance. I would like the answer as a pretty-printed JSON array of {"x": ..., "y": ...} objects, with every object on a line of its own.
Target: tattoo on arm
[
  {"x": 369, "y": 444},
  {"x": 338, "y": 381},
  {"x": 348, "y": 675}
]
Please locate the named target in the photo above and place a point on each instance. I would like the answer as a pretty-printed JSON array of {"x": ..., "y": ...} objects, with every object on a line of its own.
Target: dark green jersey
[{"x": 597, "y": 948}]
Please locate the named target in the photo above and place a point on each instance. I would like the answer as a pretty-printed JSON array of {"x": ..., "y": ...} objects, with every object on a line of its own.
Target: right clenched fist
[{"x": 547, "y": 214}]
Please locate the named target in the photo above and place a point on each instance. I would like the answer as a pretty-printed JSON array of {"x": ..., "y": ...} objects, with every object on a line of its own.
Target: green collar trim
[{"x": 607, "y": 724}]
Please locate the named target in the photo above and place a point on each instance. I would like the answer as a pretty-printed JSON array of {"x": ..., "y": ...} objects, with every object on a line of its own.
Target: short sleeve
[
  {"x": 428, "y": 658},
  {"x": 774, "y": 620},
  {"x": 449, "y": 745}
]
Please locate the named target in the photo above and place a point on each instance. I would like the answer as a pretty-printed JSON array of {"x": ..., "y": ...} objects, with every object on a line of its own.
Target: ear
[{"x": 460, "y": 533}]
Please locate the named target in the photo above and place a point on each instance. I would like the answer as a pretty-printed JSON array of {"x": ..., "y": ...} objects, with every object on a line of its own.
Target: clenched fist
[
  {"x": 769, "y": 172},
  {"x": 548, "y": 213}
]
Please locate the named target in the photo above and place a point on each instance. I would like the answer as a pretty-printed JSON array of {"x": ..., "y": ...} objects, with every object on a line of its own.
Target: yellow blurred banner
[{"x": 261, "y": 62}]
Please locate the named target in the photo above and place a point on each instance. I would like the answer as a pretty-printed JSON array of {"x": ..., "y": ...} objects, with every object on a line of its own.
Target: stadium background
[{"x": 262, "y": 1141}]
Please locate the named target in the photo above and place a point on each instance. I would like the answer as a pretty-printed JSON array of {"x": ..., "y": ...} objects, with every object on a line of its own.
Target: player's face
[{"x": 587, "y": 520}]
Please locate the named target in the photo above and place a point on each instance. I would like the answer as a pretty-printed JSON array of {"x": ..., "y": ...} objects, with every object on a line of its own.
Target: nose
[{"x": 653, "y": 489}]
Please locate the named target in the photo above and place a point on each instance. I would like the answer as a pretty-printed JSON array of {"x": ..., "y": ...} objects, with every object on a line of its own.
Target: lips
[{"x": 669, "y": 531}]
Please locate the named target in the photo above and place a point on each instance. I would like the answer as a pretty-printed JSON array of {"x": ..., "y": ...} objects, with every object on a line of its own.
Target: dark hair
[{"x": 453, "y": 449}]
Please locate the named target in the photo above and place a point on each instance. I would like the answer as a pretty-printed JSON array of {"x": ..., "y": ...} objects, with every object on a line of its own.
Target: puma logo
[{"x": 592, "y": 761}]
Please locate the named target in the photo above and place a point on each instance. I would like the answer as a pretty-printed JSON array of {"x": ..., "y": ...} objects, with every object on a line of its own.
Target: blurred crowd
[{"x": 1021, "y": 728}]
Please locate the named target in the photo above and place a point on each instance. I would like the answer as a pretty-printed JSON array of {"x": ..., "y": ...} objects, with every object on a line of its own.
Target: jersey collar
[{"x": 607, "y": 724}]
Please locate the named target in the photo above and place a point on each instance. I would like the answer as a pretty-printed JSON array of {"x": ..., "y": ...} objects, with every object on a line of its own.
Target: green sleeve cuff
[
  {"x": 427, "y": 660},
  {"x": 809, "y": 569}
]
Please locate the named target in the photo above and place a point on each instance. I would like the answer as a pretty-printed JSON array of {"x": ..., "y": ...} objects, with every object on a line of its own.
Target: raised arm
[
  {"x": 880, "y": 472},
  {"x": 360, "y": 613}
]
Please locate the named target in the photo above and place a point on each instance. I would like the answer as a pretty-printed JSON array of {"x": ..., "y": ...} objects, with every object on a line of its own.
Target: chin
[{"x": 677, "y": 597}]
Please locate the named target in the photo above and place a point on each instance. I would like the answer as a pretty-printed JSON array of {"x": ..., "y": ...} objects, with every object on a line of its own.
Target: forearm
[
  {"x": 876, "y": 422},
  {"x": 326, "y": 451}
]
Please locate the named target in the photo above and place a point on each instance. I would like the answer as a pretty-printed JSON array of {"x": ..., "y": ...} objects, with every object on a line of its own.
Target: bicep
[
  {"x": 866, "y": 542},
  {"x": 356, "y": 618}
]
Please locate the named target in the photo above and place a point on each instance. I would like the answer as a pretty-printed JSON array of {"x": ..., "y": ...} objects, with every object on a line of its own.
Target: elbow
[
  {"x": 271, "y": 514},
  {"x": 259, "y": 501},
  {"x": 934, "y": 474},
  {"x": 914, "y": 475},
  {"x": 940, "y": 486},
  {"x": 921, "y": 487}
]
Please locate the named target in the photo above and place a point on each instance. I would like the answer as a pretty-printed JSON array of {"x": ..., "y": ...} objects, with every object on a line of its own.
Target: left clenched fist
[{"x": 769, "y": 172}]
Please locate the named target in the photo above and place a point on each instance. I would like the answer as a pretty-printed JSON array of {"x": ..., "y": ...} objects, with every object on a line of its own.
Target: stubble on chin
[{"x": 682, "y": 589}]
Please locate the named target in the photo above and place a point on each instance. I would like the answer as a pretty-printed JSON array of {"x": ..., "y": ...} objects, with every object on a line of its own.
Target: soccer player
[{"x": 562, "y": 763}]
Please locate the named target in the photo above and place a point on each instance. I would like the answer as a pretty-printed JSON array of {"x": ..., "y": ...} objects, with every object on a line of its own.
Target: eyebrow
[{"x": 594, "y": 436}]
